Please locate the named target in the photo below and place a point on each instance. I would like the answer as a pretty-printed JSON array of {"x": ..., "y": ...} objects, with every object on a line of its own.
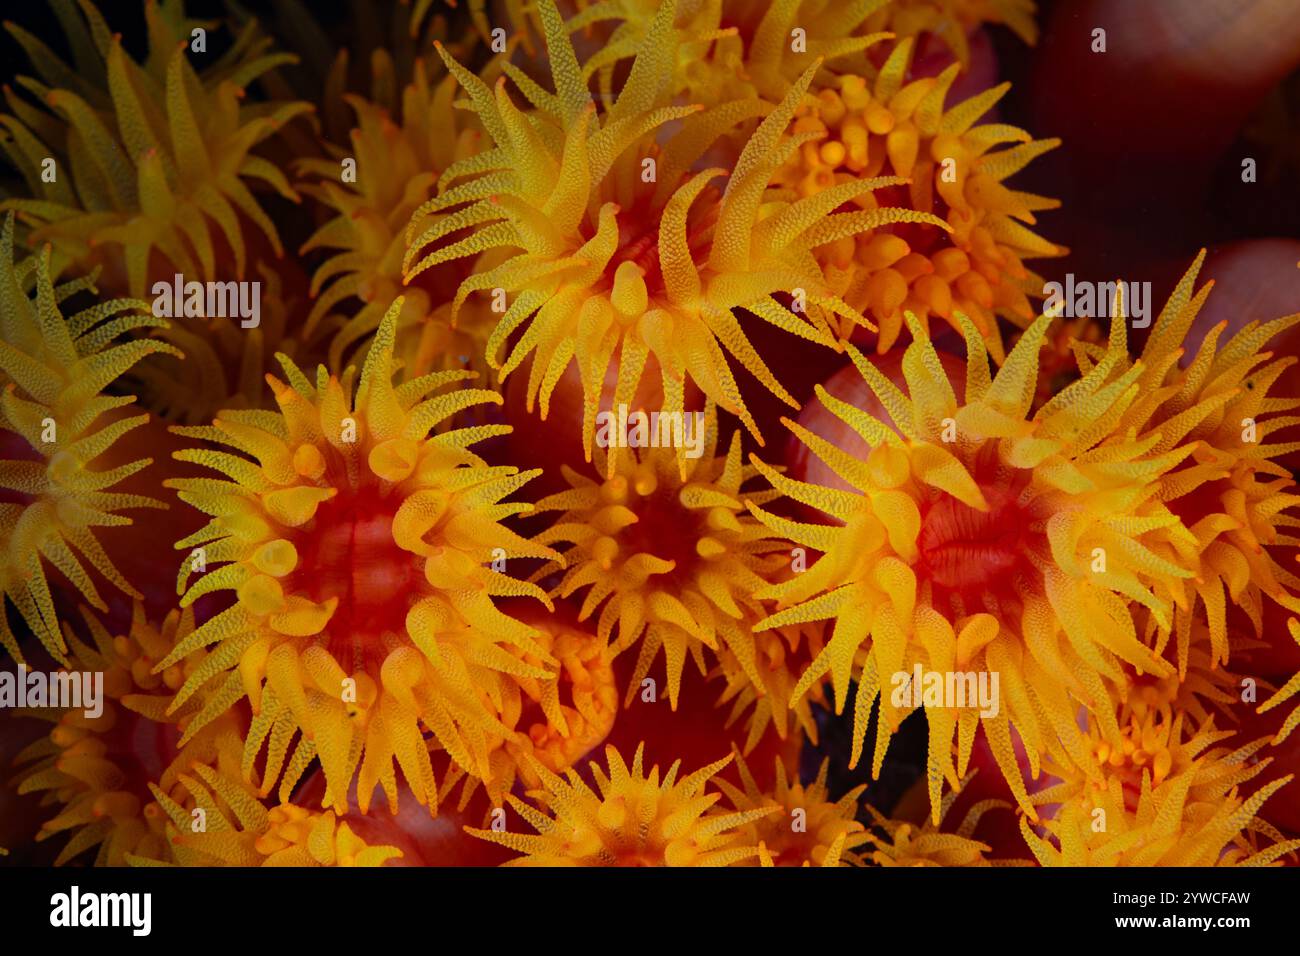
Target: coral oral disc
[
  {"x": 967, "y": 550},
  {"x": 351, "y": 555}
]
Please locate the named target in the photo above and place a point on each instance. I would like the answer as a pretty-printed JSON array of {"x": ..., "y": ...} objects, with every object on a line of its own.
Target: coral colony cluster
[{"x": 403, "y": 464}]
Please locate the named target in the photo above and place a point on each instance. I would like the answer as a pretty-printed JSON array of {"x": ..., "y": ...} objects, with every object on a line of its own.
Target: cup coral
[
  {"x": 628, "y": 256},
  {"x": 157, "y": 157},
  {"x": 359, "y": 549},
  {"x": 85, "y": 765},
  {"x": 54, "y": 370},
  {"x": 670, "y": 561},
  {"x": 632, "y": 818},
  {"x": 1018, "y": 586}
]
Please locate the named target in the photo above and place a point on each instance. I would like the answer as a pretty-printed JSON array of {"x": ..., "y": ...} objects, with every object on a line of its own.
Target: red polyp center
[
  {"x": 973, "y": 552},
  {"x": 349, "y": 553},
  {"x": 668, "y": 530},
  {"x": 1202, "y": 501}
]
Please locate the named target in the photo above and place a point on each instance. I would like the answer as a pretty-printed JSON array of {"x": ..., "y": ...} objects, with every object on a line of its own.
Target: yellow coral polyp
[
  {"x": 557, "y": 719},
  {"x": 238, "y": 830},
  {"x": 975, "y": 537},
  {"x": 857, "y": 121},
  {"x": 954, "y": 167},
  {"x": 1166, "y": 796},
  {"x": 53, "y": 370},
  {"x": 154, "y": 159},
  {"x": 359, "y": 549},
  {"x": 398, "y": 163},
  {"x": 934, "y": 842},
  {"x": 627, "y": 256},
  {"x": 669, "y": 561},
  {"x": 808, "y": 829},
  {"x": 763, "y": 688},
  {"x": 631, "y": 819},
  {"x": 1232, "y": 495},
  {"x": 86, "y": 766}
]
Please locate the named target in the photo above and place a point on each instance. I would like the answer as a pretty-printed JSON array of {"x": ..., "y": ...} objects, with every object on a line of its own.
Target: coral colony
[{"x": 428, "y": 435}]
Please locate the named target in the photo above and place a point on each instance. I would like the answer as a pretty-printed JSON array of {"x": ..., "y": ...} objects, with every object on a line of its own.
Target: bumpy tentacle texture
[
  {"x": 240, "y": 831},
  {"x": 956, "y": 168},
  {"x": 1236, "y": 499},
  {"x": 358, "y": 548},
  {"x": 1165, "y": 796},
  {"x": 631, "y": 819},
  {"x": 1285, "y": 693},
  {"x": 930, "y": 843},
  {"x": 861, "y": 120},
  {"x": 808, "y": 829},
  {"x": 626, "y": 256},
  {"x": 154, "y": 163},
  {"x": 975, "y": 538},
  {"x": 398, "y": 161},
  {"x": 672, "y": 562},
  {"x": 53, "y": 370},
  {"x": 152, "y": 159},
  {"x": 760, "y": 681},
  {"x": 557, "y": 719},
  {"x": 90, "y": 765},
  {"x": 732, "y": 48}
]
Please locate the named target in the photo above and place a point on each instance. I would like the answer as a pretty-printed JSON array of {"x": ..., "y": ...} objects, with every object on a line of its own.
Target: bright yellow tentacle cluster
[
  {"x": 767, "y": 682},
  {"x": 86, "y": 765},
  {"x": 397, "y": 163},
  {"x": 631, "y": 819},
  {"x": 858, "y": 121},
  {"x": 1165, "y": 797},
  {"x": 975, "y": 538},
  {"x": 956, "y": 168},
  {"x": 238, "y": 830},
  {"x": 809, "y": 828},
  {"x": 152, "y": 159},
  {"x": 734, "y": 48},
  {"x": 671, "y": 561},
  {"x": 902, "y": 843},
  {"x": 53, "y": 370},
  {"x": 627, "y": 257},
  {"x": 360, "y": 551},
  {"x": 1237, "y": 501},
  {"x": 557, "y": 719}
]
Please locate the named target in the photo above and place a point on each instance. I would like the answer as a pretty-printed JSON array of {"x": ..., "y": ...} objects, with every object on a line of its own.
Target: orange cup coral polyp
[
  {"x": 361, "y": 550},
  {"x": 663, "y": 550},
  {"x": 101, "y": 769},
  {"x": 948, "y": 485},
  {"x": 625, "y": 254},
  {"x": 631, "y": 818}
]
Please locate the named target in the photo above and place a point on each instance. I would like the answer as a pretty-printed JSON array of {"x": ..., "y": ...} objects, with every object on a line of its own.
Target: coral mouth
[
  {"x": 667, "y": 530},
  {"x": 969, "y": 551},
  {"x": 350, "y": 555}
]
